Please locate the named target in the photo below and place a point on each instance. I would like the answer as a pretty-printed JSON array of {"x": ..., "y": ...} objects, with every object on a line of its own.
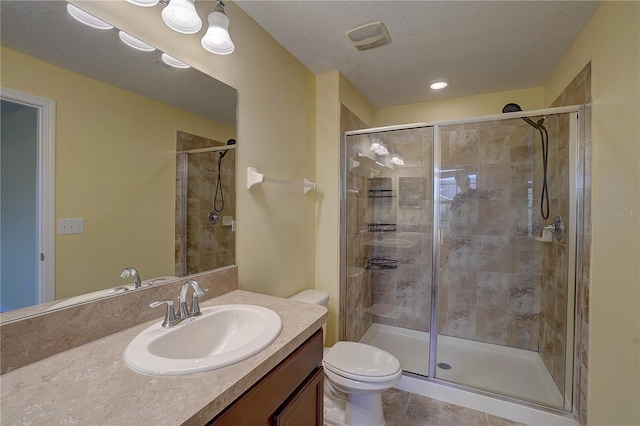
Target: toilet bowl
[{"x": 356, "y": 375}]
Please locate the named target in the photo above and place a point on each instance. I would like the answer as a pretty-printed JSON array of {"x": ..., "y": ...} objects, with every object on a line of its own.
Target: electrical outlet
[{"x": 71, "y": 226}]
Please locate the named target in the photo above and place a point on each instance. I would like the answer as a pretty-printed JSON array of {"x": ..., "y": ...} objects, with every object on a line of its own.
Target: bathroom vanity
[{"x": 91, "y": 384}]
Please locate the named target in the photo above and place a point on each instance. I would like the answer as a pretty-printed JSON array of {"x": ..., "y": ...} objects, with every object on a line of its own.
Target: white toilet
[{"x": 355, "y": 377}]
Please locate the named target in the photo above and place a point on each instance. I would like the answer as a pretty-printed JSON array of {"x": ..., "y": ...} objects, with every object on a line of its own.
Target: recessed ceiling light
[{"x": 439, "y": 84}]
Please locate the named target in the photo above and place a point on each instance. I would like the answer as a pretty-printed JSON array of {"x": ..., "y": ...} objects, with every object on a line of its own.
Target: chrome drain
[{"x": 444, "y": 366}]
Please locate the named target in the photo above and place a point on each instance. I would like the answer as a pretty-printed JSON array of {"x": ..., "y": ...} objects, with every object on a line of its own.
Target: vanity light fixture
[
  {"x": 438, "y": 84},
  {"x": 376, "y": 144},
  {"x": 383, "y": 150},
  {"x": 138, "y": 44},
  {"x": 181, "y": 16},
  {"x": 397, "y": 159},
  {"x": 171, "y": 61},
  {"x": 86, "y": 18},
  {"x": 217, "y": 39}
]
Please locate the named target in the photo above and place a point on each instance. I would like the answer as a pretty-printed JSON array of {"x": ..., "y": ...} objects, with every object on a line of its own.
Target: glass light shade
[
  {"x": 171, "y": 61},
  {"x": 217, "y": 39},
  {"x": 383, "y": 150},
  {"x": 376, "y": 144},
  {"x": 86, "y": 18},
  {"x": 138, "y": 44},
  {"x": 181, "y": 16},
  {"x": 144, "y": 3}
]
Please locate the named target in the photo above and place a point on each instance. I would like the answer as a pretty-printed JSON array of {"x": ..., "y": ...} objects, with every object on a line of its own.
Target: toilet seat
[{"x": 360, "y": 362}]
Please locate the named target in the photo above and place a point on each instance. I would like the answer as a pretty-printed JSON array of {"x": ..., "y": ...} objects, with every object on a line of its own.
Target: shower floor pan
[{"x": 503, "y": 370}]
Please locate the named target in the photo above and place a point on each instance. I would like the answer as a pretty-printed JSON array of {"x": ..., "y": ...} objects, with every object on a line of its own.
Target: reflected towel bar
[{"x": 254, "y": 178}]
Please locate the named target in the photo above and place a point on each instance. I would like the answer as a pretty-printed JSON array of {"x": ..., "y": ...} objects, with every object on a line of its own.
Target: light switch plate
[{"x": 71, "y": 226}]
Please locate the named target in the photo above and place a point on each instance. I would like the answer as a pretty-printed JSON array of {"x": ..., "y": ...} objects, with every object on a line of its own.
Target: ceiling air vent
[{"x": 369, "y": 36}]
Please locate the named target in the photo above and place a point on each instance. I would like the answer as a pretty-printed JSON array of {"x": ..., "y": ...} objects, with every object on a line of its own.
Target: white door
[{"x": 27, "y": 200}]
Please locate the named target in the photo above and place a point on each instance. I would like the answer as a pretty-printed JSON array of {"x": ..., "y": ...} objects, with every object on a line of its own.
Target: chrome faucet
[
  {"x": 132, "y": 272},
  {"x": 170, "y": 316},
  {"x": 198, "y": 291}
]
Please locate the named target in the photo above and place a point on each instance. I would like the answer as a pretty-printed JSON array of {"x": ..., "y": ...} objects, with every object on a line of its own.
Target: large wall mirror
[{"x": 144, "y": 160}]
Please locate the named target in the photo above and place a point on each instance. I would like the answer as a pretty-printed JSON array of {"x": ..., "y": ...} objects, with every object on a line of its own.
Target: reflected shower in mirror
[{"x": 119, "y": 117}]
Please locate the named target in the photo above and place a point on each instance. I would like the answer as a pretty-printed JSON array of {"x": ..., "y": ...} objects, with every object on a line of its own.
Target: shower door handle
[{"x": 440, "y": 236}]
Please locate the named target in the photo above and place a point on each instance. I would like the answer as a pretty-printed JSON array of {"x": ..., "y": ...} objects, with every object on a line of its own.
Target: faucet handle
[
  {"x": 170, "y": 316},
  {"x": 195, "y": 306}
]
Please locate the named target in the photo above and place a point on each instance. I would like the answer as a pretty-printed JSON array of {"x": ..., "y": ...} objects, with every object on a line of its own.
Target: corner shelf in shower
[
  {"x": 381, "y": 227},
  {"x": 381, "y": 193},
  {"x": 380, "y": 263}
]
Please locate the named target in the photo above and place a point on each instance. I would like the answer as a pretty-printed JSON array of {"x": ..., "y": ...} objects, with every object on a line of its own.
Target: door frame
[{"x": 45, "y": 191}]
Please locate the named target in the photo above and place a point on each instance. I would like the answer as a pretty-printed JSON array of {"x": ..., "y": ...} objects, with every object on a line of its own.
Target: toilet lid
[{"x": 352, "y": 358}]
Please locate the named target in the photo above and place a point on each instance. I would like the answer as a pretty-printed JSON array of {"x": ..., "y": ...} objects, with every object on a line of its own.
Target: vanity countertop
[{"x": 92, "y": 384}]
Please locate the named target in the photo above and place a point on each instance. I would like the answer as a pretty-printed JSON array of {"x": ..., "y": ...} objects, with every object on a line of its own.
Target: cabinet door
[
  {"x": 258, "y": 405},
  {"x": 306, "y": 407}
]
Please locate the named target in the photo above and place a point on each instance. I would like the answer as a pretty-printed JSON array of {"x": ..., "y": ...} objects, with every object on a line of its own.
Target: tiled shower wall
[
  {"x": 402, "y": 296},
  {"x": 578, "y": 92},
  {"x": 357, "y": 316},
  {"x": 554, "y": 296},
  {"x": 208, "y": 246}
]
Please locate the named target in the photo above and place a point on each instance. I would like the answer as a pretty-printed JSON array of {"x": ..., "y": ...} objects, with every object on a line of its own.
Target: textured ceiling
[{"x": 478, "y": 46}]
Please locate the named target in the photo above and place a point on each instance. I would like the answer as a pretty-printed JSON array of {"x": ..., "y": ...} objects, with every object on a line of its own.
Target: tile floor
[{"x": 408, "y": 409}]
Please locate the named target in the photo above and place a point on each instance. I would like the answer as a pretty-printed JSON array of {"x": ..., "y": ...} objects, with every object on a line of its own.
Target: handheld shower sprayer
[
  {"x": 218, "y": 198},
  {"x": 544, "y": 137}
]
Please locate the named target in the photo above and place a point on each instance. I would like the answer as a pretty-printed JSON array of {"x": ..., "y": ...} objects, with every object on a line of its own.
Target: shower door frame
[{"x": 575, "y": 134}]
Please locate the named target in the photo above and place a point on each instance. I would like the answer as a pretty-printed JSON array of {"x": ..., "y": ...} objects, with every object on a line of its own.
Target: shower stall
[
  {"x": 205, "y": 204},
  {"x": 446, "y": 259}
]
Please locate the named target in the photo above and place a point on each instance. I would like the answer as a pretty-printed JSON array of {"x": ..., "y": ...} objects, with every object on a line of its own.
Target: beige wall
[
  {"x": 469, "y": 106},
  {"x": 332, "y": 89},
  {"x": 115, "y": 167},
  {"x": 611, "y": 41},
  {"x": 276, "y": 134},
  {"x": 327, "y": 259}
]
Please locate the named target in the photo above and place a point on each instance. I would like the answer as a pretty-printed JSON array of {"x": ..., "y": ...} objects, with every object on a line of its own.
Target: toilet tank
[{"x": 316, "y": 297}]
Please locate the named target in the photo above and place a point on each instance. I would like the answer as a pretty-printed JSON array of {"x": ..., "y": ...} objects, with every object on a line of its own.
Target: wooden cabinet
[{"x": 290, "y": 394}]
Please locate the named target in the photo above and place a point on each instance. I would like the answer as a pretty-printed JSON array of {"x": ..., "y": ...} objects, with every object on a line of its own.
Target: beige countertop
[{"x": 92, "y": 385}]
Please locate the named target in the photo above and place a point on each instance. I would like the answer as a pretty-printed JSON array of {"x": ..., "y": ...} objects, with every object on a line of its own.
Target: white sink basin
[{"x": 221, "y": 336}]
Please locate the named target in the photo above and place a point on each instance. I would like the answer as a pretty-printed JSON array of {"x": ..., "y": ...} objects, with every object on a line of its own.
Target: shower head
[
  {"x": 511, "y": 107},
  {"x": 223, "y": 153}
]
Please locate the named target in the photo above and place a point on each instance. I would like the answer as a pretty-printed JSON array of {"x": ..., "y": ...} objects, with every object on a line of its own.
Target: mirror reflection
[{"x": 144, "y": 164}]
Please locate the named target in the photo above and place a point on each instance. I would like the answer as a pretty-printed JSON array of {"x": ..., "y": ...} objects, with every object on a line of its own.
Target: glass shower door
[
  {"x": 502, "y": 294},
  {"x": 389, "y": 242}
]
